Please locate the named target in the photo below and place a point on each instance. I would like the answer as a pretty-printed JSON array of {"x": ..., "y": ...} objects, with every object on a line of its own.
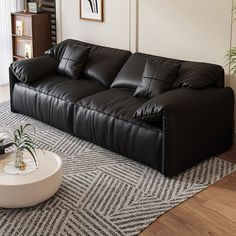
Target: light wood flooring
[
  {"x": 4, "y": 93},
  {"x": 211, "y": 212}
]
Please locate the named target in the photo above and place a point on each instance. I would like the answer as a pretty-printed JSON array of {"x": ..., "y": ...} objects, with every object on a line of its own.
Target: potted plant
[{"x": 23, "y": 141}]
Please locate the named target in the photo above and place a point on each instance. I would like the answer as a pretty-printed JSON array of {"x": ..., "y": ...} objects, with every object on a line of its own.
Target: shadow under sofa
[{"x": 191, "y": 124}]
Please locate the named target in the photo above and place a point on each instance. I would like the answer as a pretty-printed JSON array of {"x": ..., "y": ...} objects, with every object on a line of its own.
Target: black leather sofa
[{"x": 170, "y": 132}]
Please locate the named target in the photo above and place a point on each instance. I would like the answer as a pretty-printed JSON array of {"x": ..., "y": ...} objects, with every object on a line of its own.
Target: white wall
[
  {"x": 186, "y": 29},
  {"x": 114, "y": 32}
]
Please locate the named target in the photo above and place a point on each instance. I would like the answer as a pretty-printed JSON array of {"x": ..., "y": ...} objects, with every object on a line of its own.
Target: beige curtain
[{"x": 6, "y": 7}]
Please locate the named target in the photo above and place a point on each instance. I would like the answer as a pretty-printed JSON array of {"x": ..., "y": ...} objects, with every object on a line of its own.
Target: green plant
[
  {"x": 231, "y": 59},
  {"x": 231, "y": 54},
  {"x": 22, "y": 141},
  {"x": 234, "y": 11}
]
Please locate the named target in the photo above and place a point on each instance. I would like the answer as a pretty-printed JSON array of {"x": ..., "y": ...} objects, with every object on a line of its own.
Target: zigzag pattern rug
[{"x": 102, "y": 193}]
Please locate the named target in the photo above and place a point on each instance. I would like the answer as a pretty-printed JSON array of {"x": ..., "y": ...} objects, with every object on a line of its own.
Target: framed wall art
[{"x": 91, "y": 10}]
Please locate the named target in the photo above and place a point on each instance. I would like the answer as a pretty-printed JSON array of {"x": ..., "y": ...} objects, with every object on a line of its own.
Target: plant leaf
[{"x": 32, "y": 154}]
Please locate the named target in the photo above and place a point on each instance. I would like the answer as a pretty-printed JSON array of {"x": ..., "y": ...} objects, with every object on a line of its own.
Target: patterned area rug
[{"x": 102, "y": 193}]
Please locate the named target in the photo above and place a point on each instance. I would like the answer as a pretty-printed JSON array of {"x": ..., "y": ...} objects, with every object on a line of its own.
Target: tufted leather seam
[
  {"x": 154, "y": 78},
  {"x": 128, "y": 89},
  {"x": 164, "y": 142},
  {"x": 67, "y": 59},
  {"x": 116, "y": 117},
  {"x": 148, "y": 115},
  {"x": 150, "y": 83},
  {"x": 123, "y": 88}
]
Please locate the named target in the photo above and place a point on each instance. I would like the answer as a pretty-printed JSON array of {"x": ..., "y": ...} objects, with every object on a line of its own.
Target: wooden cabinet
[{"x": 31, "y": 34}]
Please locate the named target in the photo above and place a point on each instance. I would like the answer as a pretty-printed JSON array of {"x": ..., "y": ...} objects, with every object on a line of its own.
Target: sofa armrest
[
  {"x": 33, "y": 69},
  {"x": 196, "y": 125}
]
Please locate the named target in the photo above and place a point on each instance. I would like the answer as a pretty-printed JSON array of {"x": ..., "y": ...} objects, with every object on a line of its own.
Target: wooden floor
[
  {"x": 211, "y": 212},
  {"x": 4, "y": 93}
]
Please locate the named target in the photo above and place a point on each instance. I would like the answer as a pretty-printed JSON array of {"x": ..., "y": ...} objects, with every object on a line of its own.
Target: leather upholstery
[
  {"x": 157, "y": 78},
  {"x": 131, "y": 73},
  {"x": 197, "y": 124},
  {"x": 106, "y": 119},
  {"x": 200, "y": 75},
  {"x": 193, "y": 128},
  {"x": 33, "y": 69},
  {"x": 192, "y": 124},
  {"x": 73, "y": 60},
  {"x": 52, "y": 99},
  {"x": 103, "y": 63}
]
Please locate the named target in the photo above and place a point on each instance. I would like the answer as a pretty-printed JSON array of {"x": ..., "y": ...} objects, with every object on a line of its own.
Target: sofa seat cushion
[
  {"x": 106, "y": 119},
  {"x": 64, "y": 88},
  {"x": 52, "y": 99}
]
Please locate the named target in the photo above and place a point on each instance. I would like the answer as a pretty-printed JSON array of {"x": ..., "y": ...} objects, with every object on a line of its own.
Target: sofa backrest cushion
[
  {"x": 191, "y": 74},
  {"x": 199, "y": 75},
  {"x": 103, "y": 63}
]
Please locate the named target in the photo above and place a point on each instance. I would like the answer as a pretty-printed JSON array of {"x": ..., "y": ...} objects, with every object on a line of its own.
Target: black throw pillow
[
  {"x": 73, "y": 60},
  {"x": 157, "y": 78}
]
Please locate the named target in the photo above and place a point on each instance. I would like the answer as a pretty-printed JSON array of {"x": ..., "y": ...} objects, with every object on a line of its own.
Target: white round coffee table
[{"x": 17, "y": 191}]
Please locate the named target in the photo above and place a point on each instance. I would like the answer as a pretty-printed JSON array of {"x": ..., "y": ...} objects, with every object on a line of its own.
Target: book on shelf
[
  {"x": 27, "y": 26},
  {"x": 23, "y": 48},
  {"x": 19, "y": 27},
  {"x": 20, "y": 47},
  {"x": 28, "y": 51}
]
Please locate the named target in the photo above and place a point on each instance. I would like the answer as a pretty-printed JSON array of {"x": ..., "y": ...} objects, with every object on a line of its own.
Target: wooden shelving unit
[{"x": 31, "y": 34}]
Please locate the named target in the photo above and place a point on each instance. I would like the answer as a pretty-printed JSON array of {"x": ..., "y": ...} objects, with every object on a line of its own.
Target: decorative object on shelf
[
  {"x": 19, "y": 27},
  {"x": 25, "y": 6},
  {"x": 28, "y": 51},
  {"x": 3, "y": 146},
  {"x": 91, "y": 10},
  {"x": 20, "y": 43},
  {"x": 35, "y": 6}
]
